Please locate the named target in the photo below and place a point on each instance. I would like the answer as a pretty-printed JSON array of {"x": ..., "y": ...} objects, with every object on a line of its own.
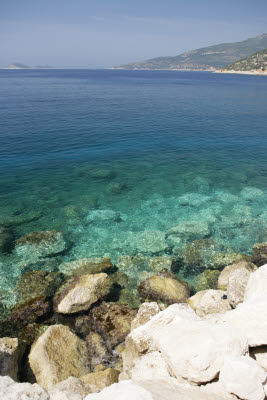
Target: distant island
[
  {"x": 210, "y": 58},
  {"x": 255, "y": 64},
  {"x": 22, "y": 66}
]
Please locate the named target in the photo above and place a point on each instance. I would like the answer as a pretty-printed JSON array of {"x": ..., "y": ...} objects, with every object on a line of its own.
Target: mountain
[
  {"x": 22, "y": 66},
  {"x": 206, "y": 58},
  {"x": 255, "y": 62}
]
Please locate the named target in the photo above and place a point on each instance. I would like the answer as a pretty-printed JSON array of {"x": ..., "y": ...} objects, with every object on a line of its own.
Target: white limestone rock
[
  {"x": 152, "y": 390},
  {"x": 209, "y": 302},
  {"x": 237, "y": 283},
  {"x": 243, "y": 377},
  {"x": 10, "y": 390},
  {"x": 145, "y": 313},
  {"x": 260, "y": 355},
  {"x": 193, "y": 349},
  {"x": 257, "y": 284},
  {"x": 236, "y": 266},
  {"x": 72, "y": 388},
  {"x": 9, "y": 357}
]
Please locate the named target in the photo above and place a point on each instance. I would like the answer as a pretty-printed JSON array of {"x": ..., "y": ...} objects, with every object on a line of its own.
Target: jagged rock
[
  {"x": 260, "y": 355},
  {"x": 152, "y": 390},
  {"x": 259, "y": 256},
  {"x": 80, "y": 292},
  {"x": 100, "y": 380},
  {"x": 145, "y": 313},
  {"x": 226, "y": 272},
  {"x": 166, "y": 288},
  {"x": 30, "y": 311},
  {"x": 58, "y": 354},
  {"x": 199, "y": 252},
  {"x": 112, "y": 321},
  {"x": 200, "y": 346},
  {"x": 36, "y": 245},
  {"x": 257, "y": 284},
  {"x": 97, "y": 349},
  {"x": 243, "y": 377},
  {"x": 206, "y": 280},
  {"x": 85, "y": 266},
  {"x": 10, "y": 390},
  {"x": 237, "y": 283},
  {"x": 6, "y": 239},
  {"x": 10, "y": 351},
  {"x": 209, "y": 302},
  {"x": 70, "y": 389}
]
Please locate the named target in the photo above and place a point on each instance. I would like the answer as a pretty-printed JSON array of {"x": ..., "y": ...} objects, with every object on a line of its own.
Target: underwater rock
[
  {"x": 102, "y": 216},
  {"x": 130, "y": 297},
  {"x": 206, "y": 280},
  {"x": 101, "y": 173},
  {"x": 70, "y": 389},
  {"x": 30, "y": 311},
  {"x": 150, "y": 242},
  {"x": 145, "y": 313},
  {"x": 166, "y": 288},
  {"x": 10, "y": 349},
  {"x": 251, "y": 193},
  {"x": 190, "y": 230},
  {"x": 223, "y": 279},
  {"x": 220, "y": 260},
  {"x": 199, "y": 252},
  {"x": 10, "y": 390},
  {"x": 131, "y": 265},
  {"x": 209, "y": 302},
  {"x": 98, "y": 351},
  {"x": 116, "y": 188},
  {"x": 17, "y": 219},
  {"x": 84, "y": 266},
  {"x": 40, "y": 244},
  {"x": 112, "y": 321},
  {"x": 101, "y": 379},
  {"x": 259, "y": 256},
  {"x": 6, "y": 240},
  {"x": 157, "y": 264},
  {"x": 80, "y": 292},
  {"x": 58, "y": 354},
  {"x": 192, "y": 199}
]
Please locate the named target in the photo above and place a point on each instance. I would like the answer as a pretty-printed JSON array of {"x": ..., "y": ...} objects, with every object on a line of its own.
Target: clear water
[{"x": 172, "y": 147}]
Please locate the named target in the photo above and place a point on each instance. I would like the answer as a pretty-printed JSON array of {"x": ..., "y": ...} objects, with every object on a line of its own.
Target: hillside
[
  {"x": 206, "y": 58},
  {"x": 22, "y": 66},
  {"x": 255, "y": 62}
]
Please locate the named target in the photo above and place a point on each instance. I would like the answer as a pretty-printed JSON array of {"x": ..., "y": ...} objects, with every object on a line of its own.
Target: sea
[{"x": 130, "y": 162}]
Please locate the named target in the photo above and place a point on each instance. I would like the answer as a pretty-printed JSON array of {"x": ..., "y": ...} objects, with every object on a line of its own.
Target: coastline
[{"x": 253, "y": 72}]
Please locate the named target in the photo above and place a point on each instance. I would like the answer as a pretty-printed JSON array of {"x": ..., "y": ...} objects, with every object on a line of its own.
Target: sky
[{"x": 103, "y": 33}]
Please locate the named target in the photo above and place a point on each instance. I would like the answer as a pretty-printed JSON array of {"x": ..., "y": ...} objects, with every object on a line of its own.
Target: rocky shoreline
[{"x": 76, "y": 331}]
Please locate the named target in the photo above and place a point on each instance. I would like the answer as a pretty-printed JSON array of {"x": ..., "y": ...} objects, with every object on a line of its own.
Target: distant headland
[{"x": 17, "y": 65}]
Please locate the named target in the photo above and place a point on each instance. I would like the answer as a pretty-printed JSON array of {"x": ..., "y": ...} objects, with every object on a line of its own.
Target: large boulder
[
  {"x": 72, "y": 388},
  {"x": 223, "y": 279},
  {"x": 58, "y": 354},
  {"x": 10, "y": 390},
  {"x": 112, "y": 321},
  {"x": 243, "y": 377},
  {"x": 237, "y": 284},
  {"x": 200, "y": 346},
  {"x": 145, "y": 313},
  {"x": 257, "y": 284},
  {"x": 166, "y": 288},
  {"x": 36, "y": 245},
  {"x": 80, "y": 292},
  {"x": 85, "y": 266},
  {"x": 209, "y": 302},
  {"x": 152, "y": 390},
  {"x": 10, "y": 350},
  {"x": 100, "y": 380}
]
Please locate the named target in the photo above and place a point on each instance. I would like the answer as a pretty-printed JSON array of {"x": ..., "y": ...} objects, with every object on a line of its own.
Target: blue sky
[{"x": 102, "y": 33}]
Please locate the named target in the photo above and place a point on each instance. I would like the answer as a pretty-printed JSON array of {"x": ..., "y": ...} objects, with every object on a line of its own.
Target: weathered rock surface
[
  {"x": 70, "y": 389},
  {"x": 259, "y": 256},
  {"x": 58, "y": 354},
  {"x": 29, "y": 311},
  {"x": 85, "y": 266},
  {"x": 243, "y": 377},
  {"x": 199, "y": 252},
  {"x": 40, "y": 244},
  {"x": 112, "y": 321},
  {"x": 237, "y": 283},
  {"x": 152, "y": 390},
  {"x": 97, "y": 349},
  {"x": 166, "y": 288},
  {"x": 236, "y": 266},
  {"x": 80, "y": 292},
  {"x": 100, "y": 380},
  {"x": 145, "y": 313},
  {"x": 132, "y": 265},
  {"x": 157, "y": 264},
  {"x": 200, "y": 346},
  {"x": 209, "y": 302},
  {"x": 257, "y": 284},
  {"x": 10, "y": 390},
  {"x": 206, "y": 280},
  {"x": 9, "y": 357}
]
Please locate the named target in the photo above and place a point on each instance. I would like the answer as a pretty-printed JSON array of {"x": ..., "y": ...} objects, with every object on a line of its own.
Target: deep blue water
[{"x": 171, "y": 146}]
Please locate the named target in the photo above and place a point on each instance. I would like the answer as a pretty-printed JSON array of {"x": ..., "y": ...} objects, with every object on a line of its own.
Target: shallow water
[{"x": 116, "y": 159}]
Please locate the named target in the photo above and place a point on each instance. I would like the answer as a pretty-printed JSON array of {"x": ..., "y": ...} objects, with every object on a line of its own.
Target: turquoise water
[{"x": 116, "y": 159}]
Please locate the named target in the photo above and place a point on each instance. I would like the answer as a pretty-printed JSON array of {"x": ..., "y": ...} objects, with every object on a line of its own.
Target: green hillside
[
  {"x": 206, "y": 58},
  {"x": 256, "y": 61}
]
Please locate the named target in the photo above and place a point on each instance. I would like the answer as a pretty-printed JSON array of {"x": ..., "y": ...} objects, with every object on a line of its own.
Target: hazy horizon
[{"x": 91, "y": 34}]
